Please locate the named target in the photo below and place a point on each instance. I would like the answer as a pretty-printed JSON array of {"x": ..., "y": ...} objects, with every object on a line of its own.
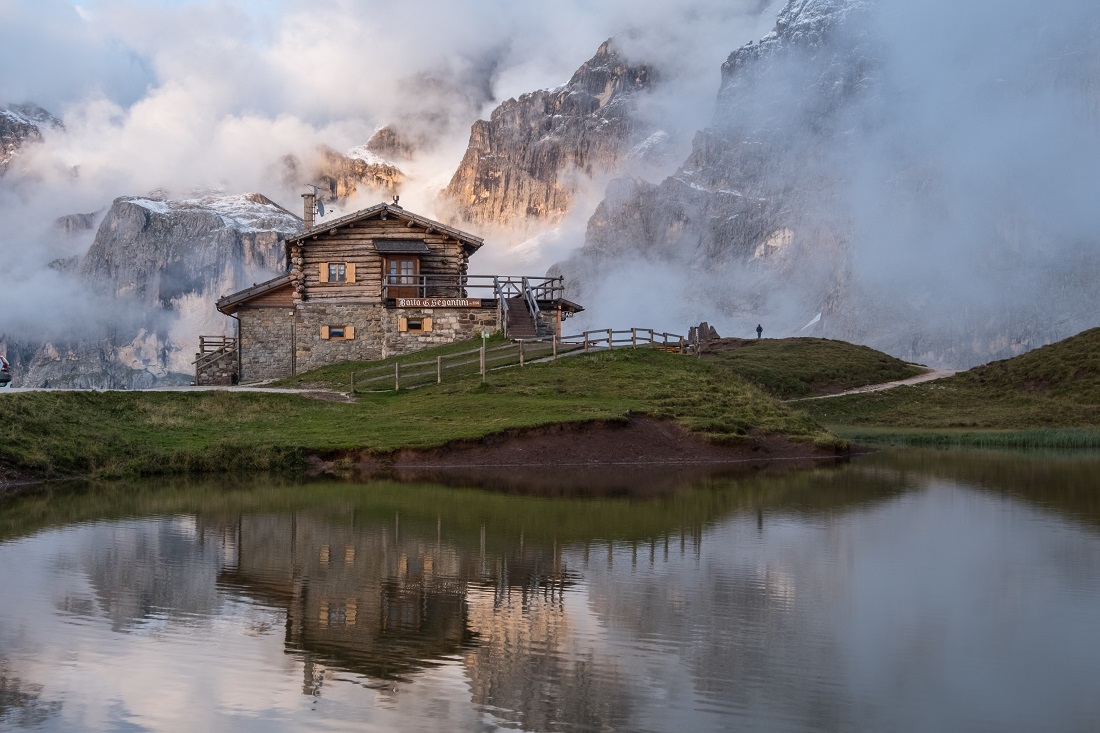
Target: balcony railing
[{"x": 486, "y": 287}]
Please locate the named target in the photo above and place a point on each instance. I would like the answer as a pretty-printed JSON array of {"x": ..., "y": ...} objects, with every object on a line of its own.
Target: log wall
[{"x": 355, "y": 244}]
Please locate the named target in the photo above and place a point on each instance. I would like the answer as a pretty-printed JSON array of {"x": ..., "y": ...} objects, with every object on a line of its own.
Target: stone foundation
[
  {"x": 216, "y": 371},
  {"x": 266, "y": 335},
  {"x": 276, "y": 344}
]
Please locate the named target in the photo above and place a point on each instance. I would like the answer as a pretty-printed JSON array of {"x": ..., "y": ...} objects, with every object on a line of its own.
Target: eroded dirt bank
[{"x": 641, "y": 455}]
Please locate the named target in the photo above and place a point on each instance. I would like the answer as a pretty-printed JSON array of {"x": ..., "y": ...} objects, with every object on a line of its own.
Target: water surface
[{"x": 906, "y": 592}]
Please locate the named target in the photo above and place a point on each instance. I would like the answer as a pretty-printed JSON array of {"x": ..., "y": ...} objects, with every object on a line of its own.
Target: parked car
[{"x": 5, "y": 372}]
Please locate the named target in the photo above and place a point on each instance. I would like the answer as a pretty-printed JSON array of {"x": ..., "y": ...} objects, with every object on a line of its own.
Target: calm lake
[{"x": 909, "y": 591}]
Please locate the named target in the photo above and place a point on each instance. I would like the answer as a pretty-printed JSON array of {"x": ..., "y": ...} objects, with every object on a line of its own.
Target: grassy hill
[
  {"x": 1054, "y": 389},
  {"x": 134, "y": 433},
  {"x": 806, "y": 367}
]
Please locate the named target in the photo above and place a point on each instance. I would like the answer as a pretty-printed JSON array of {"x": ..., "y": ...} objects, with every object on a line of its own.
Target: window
[
  {"x": 402, "y": 271},
  {"x": 338, "y": 333},
  {"x": 337, "y": 272},
  {"x": 414, "y": 325}
]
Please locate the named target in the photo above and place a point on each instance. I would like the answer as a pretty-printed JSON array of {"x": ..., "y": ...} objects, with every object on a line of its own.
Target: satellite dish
[{"x": 320, "y": 207}]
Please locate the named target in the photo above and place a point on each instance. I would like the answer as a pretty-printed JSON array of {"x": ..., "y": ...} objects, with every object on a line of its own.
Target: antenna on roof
[
  {"x": 313, "y": 206},
  {"x": 320, "y": 205}
]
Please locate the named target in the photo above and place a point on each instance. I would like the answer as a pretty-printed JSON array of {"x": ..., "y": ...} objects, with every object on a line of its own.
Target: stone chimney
[{"x": 309, "y": 203}]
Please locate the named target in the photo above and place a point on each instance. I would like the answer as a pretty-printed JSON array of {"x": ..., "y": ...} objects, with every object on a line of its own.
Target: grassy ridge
[
  {"x": 110, "y": 434},
  {"x": 806, "y": 367},
  {"x": 1027, "y": 397}
]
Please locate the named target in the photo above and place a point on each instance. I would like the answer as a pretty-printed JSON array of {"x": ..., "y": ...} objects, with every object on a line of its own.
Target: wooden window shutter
[
  {"x": 350, "y": 270},
  {"x": 349, "y": 332},
  {"x": 324, "y": 332},
  {"x": 323, "y": 277},
  {"x": 402, "y": 324},
  {"x": 427, "y": 324}
]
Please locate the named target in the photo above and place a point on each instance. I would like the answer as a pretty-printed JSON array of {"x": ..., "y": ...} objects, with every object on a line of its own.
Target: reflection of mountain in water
[{"x": 149, "y": 570}]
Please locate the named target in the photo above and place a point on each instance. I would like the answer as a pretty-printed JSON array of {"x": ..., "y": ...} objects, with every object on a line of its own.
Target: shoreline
[{"x": 600, "y": 453}]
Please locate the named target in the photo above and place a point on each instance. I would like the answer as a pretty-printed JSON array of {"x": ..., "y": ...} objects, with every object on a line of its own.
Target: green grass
[
  {"x": 112, "y": 434},
  {"x": 1056, "y": 438},
  {"x": 337, "y": 377},
  {"x": 1051, "y": 388},
  {"x": 806, "y": 367}
]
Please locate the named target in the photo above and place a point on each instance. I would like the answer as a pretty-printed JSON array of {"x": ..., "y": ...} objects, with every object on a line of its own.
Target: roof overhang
[
  {"x": 229, "y": 304},
  {"x": 569, "y": 306},
  {"x": 400, "y": 247}
]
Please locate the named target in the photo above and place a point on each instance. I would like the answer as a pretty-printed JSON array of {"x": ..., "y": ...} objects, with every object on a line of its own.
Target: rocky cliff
[
  {"x": 20, "y": 125},
  {"x": 159, "y": 266},
  {"x": 340, "y": 176},
  {"x": 772, "y": 215},
  {"x": 359, "y": 171},
  {"x": 525, "y": 162}
]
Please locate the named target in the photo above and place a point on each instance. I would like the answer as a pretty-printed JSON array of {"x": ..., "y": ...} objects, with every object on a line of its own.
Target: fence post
[
  {"x": 396, "y": 377},
  {"x": 666, "y": 340},
  {"x": 439, "y": 370},
  {"x": 681, "y": 344},
  {"x": 554, "y": 341},
  {"x": 483, "y": 363},
  {"x": 633, "y": 338},
  {"x": 521, "y": 353},
  {"x": 610, "y": 339},
  {"x": 651, "y": 337},
  {"x": 586, "y": 342}
]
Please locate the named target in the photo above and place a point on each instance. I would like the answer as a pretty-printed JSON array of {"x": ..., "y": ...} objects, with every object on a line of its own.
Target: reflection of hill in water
[{"x": 1061, "y": 482}]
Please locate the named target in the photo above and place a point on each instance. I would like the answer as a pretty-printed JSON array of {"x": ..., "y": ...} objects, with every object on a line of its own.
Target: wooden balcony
[{"x": 489, "y": 288}]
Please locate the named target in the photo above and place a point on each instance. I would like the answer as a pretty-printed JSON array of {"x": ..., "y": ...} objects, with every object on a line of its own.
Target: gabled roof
[
  {"x": 384, "y": 211},
  {"x": 228, "y": 304}
]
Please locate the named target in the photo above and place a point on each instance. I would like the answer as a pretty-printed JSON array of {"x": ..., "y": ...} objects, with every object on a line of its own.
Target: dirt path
[
  {"x": 929, "y": 376},
  {"x": 313, "y": 394}
]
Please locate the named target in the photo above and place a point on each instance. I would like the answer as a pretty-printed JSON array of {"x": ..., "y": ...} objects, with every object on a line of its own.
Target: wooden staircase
[
  {"x": 520, "y": 324},
  {"x": 216, "y": 361}
]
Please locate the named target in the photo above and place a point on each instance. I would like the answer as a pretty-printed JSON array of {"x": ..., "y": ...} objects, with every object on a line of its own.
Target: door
[{"x": 402, "y": 279}]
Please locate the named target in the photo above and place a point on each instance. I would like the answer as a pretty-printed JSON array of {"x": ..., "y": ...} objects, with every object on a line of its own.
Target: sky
[{"x": 177, "y": 95}]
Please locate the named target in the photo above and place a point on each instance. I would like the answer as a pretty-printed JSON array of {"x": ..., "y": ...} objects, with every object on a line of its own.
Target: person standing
[{"x": 759, "y": 330}]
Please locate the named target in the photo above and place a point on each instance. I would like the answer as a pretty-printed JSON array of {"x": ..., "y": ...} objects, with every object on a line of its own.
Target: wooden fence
[{"x": 479, "y": 361}]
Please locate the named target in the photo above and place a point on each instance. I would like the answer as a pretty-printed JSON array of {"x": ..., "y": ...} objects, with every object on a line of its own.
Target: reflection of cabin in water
[
  {"x": 384, "y": 602},
  {"x": 376, "y": 283}
]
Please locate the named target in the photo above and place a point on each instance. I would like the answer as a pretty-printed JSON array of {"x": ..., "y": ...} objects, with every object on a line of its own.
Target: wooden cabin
[{"x": 376, "y": 283}]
